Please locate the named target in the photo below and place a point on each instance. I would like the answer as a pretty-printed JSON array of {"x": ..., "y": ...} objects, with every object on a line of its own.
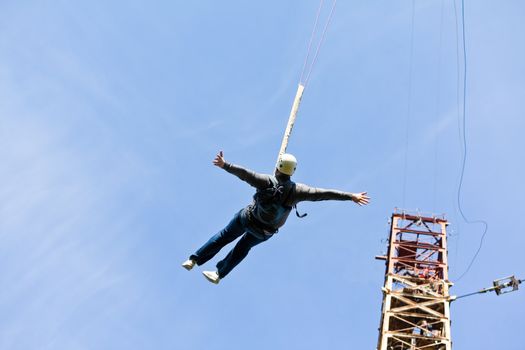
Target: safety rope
[
  {"x": 307, "y": 69},
  {"x": 314, "y": 60},
  {"x": 314, "y": 30}
]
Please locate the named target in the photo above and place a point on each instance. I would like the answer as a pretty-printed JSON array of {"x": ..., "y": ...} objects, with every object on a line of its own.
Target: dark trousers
[{"x": 235, "y": 229}]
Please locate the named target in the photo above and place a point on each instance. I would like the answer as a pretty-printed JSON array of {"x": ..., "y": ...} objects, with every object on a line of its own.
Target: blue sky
[{"x": 110, "y": 115}]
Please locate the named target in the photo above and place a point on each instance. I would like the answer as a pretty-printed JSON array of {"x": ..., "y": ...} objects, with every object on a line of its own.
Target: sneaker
[
  {"x": 188, "y": 264},
  {"x": 212, "y": 276}
]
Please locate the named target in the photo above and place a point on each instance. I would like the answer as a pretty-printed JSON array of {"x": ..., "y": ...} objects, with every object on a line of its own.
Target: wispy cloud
[{"x": 58, "y": 228}]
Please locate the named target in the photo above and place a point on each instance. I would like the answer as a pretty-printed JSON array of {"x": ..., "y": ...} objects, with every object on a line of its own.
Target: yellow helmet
[{"x": 286, "y": 164}]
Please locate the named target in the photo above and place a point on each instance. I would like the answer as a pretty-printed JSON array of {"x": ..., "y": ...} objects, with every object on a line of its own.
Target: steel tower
[{"x": 416, "y": 303}]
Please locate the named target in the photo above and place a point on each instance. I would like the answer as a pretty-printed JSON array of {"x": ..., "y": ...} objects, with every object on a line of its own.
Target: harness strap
[
  {"x": 297, "y": 212},
  {"x": 292, "y": 189}
]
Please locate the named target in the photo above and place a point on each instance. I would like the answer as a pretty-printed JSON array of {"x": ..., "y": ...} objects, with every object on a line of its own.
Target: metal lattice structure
[{"x": 416, "y": 302}]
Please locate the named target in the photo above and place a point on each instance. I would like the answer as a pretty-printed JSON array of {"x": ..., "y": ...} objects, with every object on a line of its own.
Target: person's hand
[
  {"x": 219, "y": 160},
  {"x": 360, "y": 198}
]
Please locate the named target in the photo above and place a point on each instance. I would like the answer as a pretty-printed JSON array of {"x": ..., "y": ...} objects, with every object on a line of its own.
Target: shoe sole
[
  {"x": 187, "y": 267},
  {"x": 211, "y": 279}
]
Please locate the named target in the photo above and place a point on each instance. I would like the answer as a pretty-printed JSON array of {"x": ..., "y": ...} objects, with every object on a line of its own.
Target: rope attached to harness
[{"x": 305, "y": 74}]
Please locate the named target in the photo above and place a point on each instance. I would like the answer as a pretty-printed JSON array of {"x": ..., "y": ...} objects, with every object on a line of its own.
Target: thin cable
[
  {"x": 465, "y": 148},
  {"x": 458, "y": 85},
  {"x": 458, "y": 76},
  {"x": 467, "y": 295},
  {"x": 320, "y": 42},
  {"x": 409, "y": 102},
  {"x": 438, "y": 104},
  {"x": 311, "y": 39},
  {"x": 514, "y": 283}
]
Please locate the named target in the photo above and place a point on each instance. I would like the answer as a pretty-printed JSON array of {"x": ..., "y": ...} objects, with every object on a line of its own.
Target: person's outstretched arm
[
  {"x": 307, "y": 193},
  {"x": 251, "y": 177}
]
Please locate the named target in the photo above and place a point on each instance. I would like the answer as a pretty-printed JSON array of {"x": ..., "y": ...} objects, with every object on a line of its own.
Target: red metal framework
[{"x": 416, "y": 303}]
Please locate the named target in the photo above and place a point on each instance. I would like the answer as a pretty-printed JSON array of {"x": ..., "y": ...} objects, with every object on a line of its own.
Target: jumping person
[{"x": 272, "y": 203}]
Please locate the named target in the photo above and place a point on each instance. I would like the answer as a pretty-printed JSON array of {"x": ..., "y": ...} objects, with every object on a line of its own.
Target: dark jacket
[{"x": 300, "y": 193}]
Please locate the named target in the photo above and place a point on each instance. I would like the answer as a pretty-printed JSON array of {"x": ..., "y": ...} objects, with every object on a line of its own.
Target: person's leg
[
  {"x": 227, "y": 235},
  {"x": 238, "y": 253}
]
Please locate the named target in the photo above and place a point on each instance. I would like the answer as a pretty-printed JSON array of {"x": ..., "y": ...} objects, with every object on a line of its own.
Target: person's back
[{"x": 270, "y": 207}]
